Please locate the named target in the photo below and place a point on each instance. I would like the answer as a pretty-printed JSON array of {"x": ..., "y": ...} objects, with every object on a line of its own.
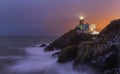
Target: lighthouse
[
  {"x": 85, "y": 27},
  {"x": 81, "y": 22},
  {"x": 82, "y": 25}
]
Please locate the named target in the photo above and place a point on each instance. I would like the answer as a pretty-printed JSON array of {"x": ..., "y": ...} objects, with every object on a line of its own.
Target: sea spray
[{"x": 39, "y": 62}]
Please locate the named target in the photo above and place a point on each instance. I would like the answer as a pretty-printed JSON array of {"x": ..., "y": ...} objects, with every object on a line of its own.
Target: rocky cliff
[
  {"x": 69, "y": 38},
  {"x": 102, "y": 53},
  {"x": 105, "y": 51},
  {"x": 62, "y": 41}
]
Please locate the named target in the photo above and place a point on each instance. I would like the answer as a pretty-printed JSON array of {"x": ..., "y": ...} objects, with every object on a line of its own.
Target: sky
[{"x": 54, "y": 17}]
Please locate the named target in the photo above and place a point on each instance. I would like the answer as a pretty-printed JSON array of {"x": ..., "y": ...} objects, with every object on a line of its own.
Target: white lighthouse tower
[
  {"x": 81, "y": 22},
  {"x": 82, "y": 27}
]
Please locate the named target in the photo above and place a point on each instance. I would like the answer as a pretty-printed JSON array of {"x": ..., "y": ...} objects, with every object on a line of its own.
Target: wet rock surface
[
  {"x": 102, "y": 53},
  {"x": 62, "y": 41},
  {"x": 42, "y": 45},
  {"x": 67, "y": 54},
  {"x": 69, "y": 38},
  {"x": 56, "y": 54}
]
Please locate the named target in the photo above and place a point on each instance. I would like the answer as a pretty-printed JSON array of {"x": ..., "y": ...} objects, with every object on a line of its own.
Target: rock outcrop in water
[
  {"x": 102, "y": 53},
  {"x": 42, "y": 45}
]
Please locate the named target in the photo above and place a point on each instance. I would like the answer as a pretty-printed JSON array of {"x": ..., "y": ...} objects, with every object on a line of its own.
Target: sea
[{"x": 23, "y": 55}]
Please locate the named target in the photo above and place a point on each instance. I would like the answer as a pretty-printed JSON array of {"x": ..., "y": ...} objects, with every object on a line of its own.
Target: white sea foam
[
  {"x": 11, "y": 57},
  {"x": 39, "y": 61}
]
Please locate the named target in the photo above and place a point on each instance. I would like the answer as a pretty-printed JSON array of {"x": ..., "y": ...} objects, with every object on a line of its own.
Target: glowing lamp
[
  {"x": 81, "y": 18},
  {"x": 91, "y": 29}
]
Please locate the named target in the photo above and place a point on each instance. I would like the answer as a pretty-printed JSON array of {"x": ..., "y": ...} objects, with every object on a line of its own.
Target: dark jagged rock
[
  {"x": 70, "y": 38},
  {"x": 104, "y": 53},
  {"x": 42, "y": 45},
  {"x": 111, "y": 33},
  {"x": 56, "y": 54},
  {"x": 62, "y": 41},
  {"x": 113, "y": 60},
  {"x": 49, "y": 48},
  {"x": 67, "y": 54},
  {"x": 84, "y": 52},
  {"x": 108, "y": 62}
]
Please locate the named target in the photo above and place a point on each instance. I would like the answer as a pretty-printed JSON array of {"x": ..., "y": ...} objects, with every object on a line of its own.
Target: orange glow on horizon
[{"x": 101, "y": 23}]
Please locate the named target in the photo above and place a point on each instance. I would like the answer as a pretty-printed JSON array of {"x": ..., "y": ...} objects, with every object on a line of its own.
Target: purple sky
[{"x": 53, "y": 17}]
